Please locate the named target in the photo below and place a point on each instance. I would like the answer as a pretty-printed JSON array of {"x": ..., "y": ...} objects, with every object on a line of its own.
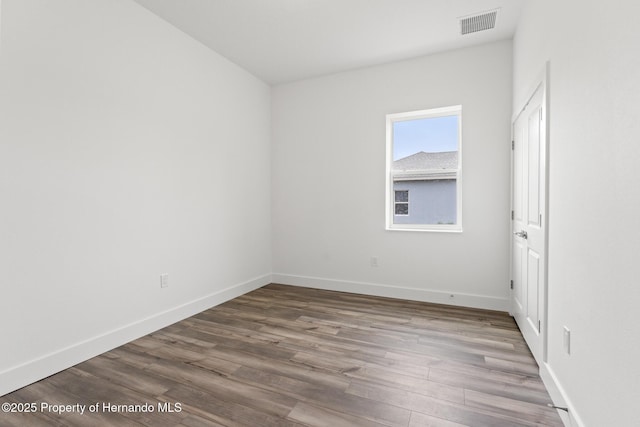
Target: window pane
[
  {"x": 427, "y": 135},
  {"x": 402, "y": 196},
  {"x": 424, "y": 147},
  {"x": 402, "y": 209}
]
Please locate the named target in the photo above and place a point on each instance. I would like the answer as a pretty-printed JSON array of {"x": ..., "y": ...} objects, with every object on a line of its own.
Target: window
[
  {"x": 424, "y": 159},
  {"x": 401, "y": 202}
]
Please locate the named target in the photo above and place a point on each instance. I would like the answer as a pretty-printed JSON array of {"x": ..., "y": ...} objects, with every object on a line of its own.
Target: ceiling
[{"x": 286, "y": 40}]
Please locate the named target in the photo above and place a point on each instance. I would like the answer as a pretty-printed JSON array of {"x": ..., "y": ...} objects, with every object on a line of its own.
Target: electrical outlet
[
  {"x": 374, "y": 261},
  {"x": 164, "y": 280},
  {"x": 566, "y": 340}
]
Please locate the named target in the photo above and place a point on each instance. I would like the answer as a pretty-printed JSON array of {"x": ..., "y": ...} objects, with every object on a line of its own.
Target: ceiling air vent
[{"x": 478, "y": 22}]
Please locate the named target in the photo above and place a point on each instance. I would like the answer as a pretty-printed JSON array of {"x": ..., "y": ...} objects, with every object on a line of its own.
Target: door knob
[{"x": 522, "y": 234}]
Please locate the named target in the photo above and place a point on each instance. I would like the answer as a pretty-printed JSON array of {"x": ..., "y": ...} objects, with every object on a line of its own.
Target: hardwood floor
[{"x": 287, "y": 356}]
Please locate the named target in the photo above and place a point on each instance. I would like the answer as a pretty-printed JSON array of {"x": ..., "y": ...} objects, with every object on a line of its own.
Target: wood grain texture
[{"x": 288, "y": 356}]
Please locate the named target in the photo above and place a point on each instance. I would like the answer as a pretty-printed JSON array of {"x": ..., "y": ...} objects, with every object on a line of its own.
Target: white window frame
[
  {"x": 404, "y": 203},
  {"x": 454, "y": 110}
]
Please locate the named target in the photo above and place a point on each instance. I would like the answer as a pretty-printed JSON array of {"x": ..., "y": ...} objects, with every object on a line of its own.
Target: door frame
[{"x": 542, "y": 80}]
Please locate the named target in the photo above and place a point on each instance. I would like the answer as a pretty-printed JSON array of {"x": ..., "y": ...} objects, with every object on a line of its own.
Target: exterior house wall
[{"x": 430, "y": 202}]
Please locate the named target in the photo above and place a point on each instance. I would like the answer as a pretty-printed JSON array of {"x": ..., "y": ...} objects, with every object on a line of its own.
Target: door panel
[
  {"x": 518, "y": 159},
  {"x": 518, "y": 271},
  {"x": 533, "y": 285},
  {"x": 533, "y": 193}
]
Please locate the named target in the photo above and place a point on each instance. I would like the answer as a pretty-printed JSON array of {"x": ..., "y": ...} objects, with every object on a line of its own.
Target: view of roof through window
[{"x": 425, "y": 169}]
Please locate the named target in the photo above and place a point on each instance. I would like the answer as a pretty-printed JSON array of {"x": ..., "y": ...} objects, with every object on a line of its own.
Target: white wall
[
  {"x": 328, "y": 162},
  {"x": 127, "y": 150},
  {"x": 594, "y": 198}
]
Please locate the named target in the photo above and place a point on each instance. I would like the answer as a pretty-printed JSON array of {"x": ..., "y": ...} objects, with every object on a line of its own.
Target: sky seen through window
[{"x": 431, "y": 135}]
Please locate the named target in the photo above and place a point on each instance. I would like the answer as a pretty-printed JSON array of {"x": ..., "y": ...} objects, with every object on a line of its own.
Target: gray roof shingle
[{"x": 427, "y": 161}]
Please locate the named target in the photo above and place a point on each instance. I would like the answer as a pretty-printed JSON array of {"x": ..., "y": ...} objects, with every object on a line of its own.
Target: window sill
[{"x": 427, "y": 228}]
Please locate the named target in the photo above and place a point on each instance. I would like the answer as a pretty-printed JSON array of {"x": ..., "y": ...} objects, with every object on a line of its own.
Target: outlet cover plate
[{"x": 164, "y": 280}]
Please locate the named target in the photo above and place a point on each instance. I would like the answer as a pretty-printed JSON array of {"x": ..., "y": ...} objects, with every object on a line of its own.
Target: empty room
[{"x": 319, "y": 213}]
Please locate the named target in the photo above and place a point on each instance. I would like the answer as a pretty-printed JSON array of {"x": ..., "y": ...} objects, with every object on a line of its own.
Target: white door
[{"x": 528, "y": 264}]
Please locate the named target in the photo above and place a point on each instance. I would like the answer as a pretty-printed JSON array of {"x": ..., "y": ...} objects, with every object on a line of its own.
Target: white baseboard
[
  {"x": 559, "y": 397},
  {"x": 426, "y": 295},
  {"x": 37, "y": 369}
]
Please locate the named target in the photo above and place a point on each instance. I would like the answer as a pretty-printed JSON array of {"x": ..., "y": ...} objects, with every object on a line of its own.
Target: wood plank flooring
[{"x": 288, "y": 356}]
